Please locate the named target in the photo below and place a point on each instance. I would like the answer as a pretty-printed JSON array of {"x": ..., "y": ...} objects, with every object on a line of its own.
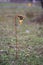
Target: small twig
[{"x": 16, "y": 37}]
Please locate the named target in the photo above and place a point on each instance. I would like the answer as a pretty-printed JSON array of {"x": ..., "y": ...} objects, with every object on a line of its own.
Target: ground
[{"x": 29, "y": 35}]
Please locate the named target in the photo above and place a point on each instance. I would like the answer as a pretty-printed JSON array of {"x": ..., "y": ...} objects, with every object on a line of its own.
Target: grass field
[{"x": 29, "y": 36}]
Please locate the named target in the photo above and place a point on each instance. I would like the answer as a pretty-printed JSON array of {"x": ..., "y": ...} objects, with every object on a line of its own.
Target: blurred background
[{"x": 29, "y": 32}]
